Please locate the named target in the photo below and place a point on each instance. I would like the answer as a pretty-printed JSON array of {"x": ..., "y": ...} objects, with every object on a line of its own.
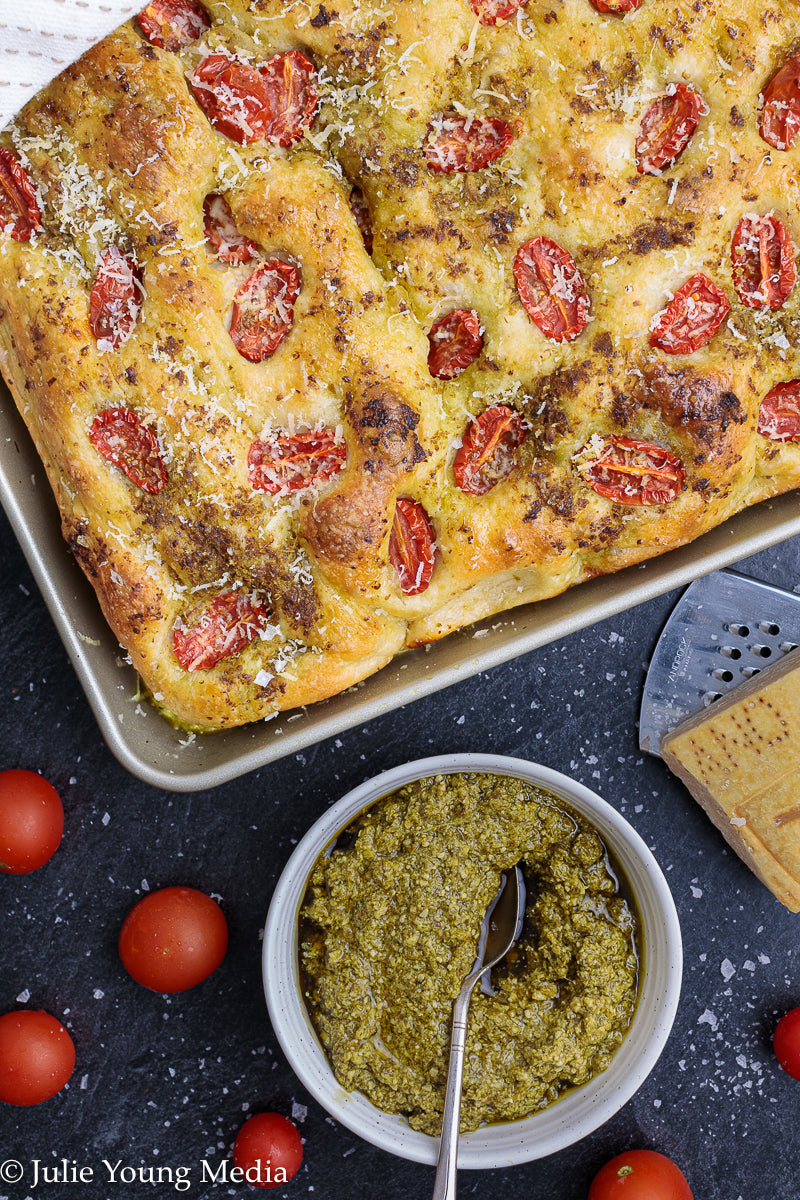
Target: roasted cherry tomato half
[
  {"x": 360, "y": 210},
  {"x": 220, "y": 229},
  {"x": 275, "y": 102},
  {"x": 290, "y": 463},
  {"x": 640, "y": 1175},
  {"x": 412, "y": 546},
  {"x": 762, "y": 256},
  {"x": 780, "y": 107},
  {"x": 116, "y": 299},
  {"x": 496, "y": 12},
  {"x": 204, "y": 637},
  {"x": 173, "y": 939},
  {"x": 456, "y": 341},
  {"x": 263, "y": 309},
  {"x": 291, "y": 83},
  {"x": 457, "y": 143},
  {"x": 487, "y": 453},
  {"x": 779, "y": 413},
  {"x": 786, "y": 1042},
  {"x": 630, "y": 471},
  {"x": 173, "y": 24},
  {"x": 552, "y": 289},
  {"x": 268, "y": 1150},
  {"x": 31, "y": 821},
  {"x": 19, "y": 208},
  {"x": 37, "y": 1057},
  {"x": 692, "y": 317},
  {"x": 616, "y": 7},
  {"x": 127, "y": 443},
  {"x": 667, "y": 127}
]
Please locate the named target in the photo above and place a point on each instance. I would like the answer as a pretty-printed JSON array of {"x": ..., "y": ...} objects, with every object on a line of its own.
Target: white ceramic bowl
[{"x": 579, "y": 1111}]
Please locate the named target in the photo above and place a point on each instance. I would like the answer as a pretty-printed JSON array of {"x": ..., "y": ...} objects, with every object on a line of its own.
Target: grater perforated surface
[{"x": 725, "y": 628}]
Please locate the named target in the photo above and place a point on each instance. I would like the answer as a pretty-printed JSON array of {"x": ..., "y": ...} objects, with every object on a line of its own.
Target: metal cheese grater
[{"x": 722, "y": 631}]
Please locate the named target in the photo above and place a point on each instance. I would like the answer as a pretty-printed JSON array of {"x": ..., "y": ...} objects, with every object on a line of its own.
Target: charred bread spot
[
  {"x": 700, "y": 405},
  {"x": 386, "y": 427}
]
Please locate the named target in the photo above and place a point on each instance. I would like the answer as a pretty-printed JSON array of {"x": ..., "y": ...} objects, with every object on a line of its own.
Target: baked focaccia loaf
[{"x": 339, "y": 326}]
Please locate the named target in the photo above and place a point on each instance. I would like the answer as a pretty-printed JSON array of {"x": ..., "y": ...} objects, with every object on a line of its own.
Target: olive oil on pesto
[{"x": 389, "y": 928}]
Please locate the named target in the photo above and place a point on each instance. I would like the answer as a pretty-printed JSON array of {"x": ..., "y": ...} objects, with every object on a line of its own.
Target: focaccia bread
[{"x": 340, "y": 326}]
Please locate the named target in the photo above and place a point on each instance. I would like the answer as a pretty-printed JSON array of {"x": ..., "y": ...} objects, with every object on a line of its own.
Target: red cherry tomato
[
  {"x": 616, "y": 7},
  {"x": 786, "y": 1042},
  {"x": 640, "y": 1175},
  {"x": 552, "y": 289},
  {"x": 268, "y": 1150},
  {"x": 779, "y": 413},
  {"x": 692, "y": 317},
  {"x": 116, "y": 299},
  {"x": 486, "y": 454},
  {"x": 292, "y": 463},
  {"x": 173, "y": 939},
  {"x": 466, "y": 143},
  {"x": 173, "y": 24},
  {"x": 19, "y": 207},
  {"x": 456, "y": 341},
  {"x": 496, "y": 12},
  {"x": 231, "y": 622},
  {"x": 275, "y": 102},
  {"x": 634, "y": 472},
  {"x": 780, "y": 109},
  {"x": 263, "y": 309},
  {"x": 360, "y": 210},
  {"x": 762, "y": 255},
  {"x": 37, "y": 1057},
  {"x": 412, "y": 546},
  {"x": 220, "y": 229},
  {"x": 667, "y": 127},
  {"x": 31, "y": 822},
  {"x": 290, "y": 80},
  {"x": 130, "y": 445}
]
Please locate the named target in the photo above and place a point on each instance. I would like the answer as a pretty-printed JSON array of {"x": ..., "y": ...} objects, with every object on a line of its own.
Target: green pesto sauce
[{"x": 389, "y": 928}]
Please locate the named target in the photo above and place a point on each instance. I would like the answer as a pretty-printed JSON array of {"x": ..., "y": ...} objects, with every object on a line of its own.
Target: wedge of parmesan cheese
[{"x": 741, "y": 762}]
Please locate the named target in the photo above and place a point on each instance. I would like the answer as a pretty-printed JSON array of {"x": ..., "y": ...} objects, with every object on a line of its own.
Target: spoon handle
[{"x": 444, "y": 1187}]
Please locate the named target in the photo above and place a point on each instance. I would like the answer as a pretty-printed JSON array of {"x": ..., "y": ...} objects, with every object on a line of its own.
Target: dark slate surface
[{"x": 168, "y": 1081}]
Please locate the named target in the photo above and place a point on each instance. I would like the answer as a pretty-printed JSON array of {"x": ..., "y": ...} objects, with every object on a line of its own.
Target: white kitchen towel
[{"x": 39, "y": 38}]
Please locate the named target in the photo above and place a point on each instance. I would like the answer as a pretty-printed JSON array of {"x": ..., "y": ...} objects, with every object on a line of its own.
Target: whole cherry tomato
[
  {"x": 786, "y": 1042},
  {"x": 31, "y": 822},
  {"x": 127, "y": 443},
  {"x": 268, "y": 1150},
  {"x": 412, "y": 546},
  {"x": 640, "y": 1175},
  {"x": 456, "y": 143},
  {"x": 116, "y": 298},
  {"x": 173, "y": 939},
  {"x": 230, "y": 622},
  {"x": 291, "y": 463},
  {"x": 630, "y": 471},
  {"x": 37, "y": 1057}
]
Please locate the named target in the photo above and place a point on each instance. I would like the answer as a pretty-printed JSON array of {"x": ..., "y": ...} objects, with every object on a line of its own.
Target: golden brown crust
[{"x": 122, "y": 154}]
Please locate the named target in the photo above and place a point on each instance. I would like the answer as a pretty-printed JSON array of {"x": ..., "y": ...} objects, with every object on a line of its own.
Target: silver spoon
[{"x": 500, "y": 929}]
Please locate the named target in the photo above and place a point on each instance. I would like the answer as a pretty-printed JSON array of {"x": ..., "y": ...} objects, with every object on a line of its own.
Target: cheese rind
[{"x": 741, "y": 762}]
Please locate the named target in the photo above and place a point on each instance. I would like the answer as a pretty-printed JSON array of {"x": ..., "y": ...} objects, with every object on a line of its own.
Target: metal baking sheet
[{"x": 166, "y": 758}]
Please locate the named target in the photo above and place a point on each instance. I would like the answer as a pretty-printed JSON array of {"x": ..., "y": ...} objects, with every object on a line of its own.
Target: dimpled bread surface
[{"x": 121, "y": 153}]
